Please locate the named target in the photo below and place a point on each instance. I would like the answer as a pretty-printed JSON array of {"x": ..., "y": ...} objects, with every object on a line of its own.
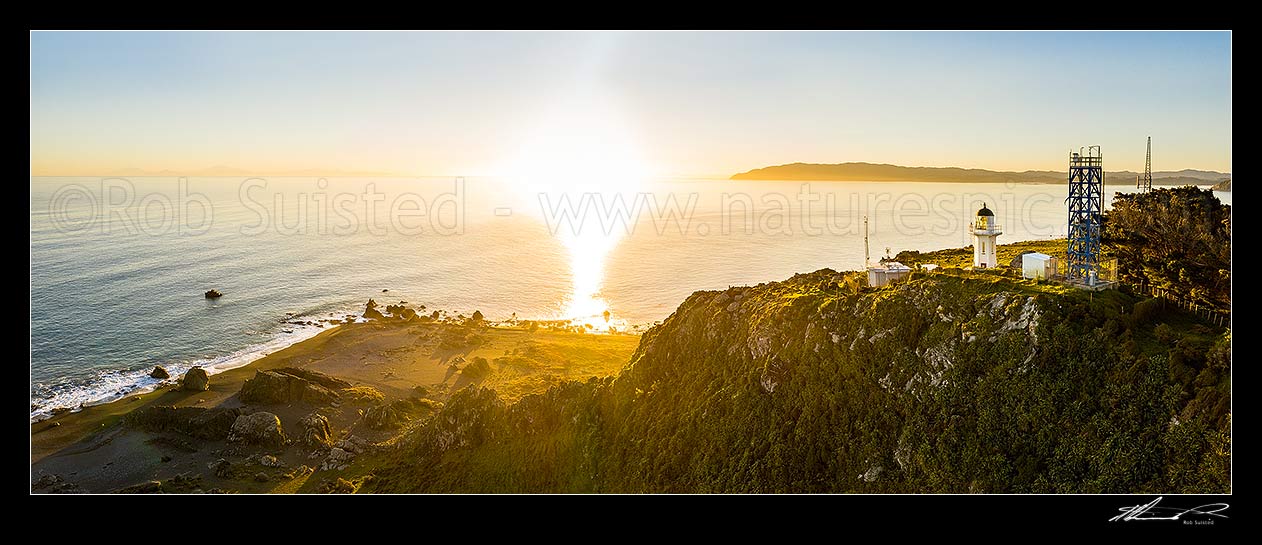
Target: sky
[{"x": 674, "y": 103}]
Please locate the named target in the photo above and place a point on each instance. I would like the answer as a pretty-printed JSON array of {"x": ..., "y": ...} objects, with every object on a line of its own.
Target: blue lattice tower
[{"x": 1086, "y": 203}]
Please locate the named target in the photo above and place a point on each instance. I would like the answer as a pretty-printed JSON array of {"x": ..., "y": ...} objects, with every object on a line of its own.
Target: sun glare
[{"x": 584, "y": 160}]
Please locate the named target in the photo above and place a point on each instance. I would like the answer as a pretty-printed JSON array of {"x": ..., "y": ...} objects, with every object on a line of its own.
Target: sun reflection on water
[{"x": 586, "y": 156}]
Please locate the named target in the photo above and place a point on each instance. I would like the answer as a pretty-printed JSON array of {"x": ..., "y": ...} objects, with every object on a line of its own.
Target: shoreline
[
  {"x": 385, "y": 355},
  {"x": 54, "y": 433},
  {"x": 138, "y": 381}
]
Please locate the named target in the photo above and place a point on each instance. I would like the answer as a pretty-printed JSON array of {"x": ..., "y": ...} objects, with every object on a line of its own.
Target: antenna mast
[
  {"x": 1144, "y": 181},
  {"x": 866, "y": 258}
]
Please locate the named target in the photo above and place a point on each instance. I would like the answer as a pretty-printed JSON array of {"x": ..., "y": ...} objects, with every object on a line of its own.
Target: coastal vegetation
[
  {"x": 945, "y": 383},
  {"x": 1177, "y": 239}
]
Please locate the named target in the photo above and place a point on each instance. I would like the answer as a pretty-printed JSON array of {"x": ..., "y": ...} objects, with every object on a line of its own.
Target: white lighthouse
[{"x": 985, "y": 231}]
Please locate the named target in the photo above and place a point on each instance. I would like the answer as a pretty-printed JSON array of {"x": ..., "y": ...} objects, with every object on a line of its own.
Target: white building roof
[
  {"x": 1036, "y": 255},
  {"x": 889, "y": 266}
]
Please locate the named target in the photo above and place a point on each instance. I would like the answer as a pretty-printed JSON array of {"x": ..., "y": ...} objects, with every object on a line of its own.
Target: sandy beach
[{"x": 408, "y": 365}]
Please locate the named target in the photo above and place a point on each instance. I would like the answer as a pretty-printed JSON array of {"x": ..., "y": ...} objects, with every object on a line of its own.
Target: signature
[{"x": 1151, "y": 511}]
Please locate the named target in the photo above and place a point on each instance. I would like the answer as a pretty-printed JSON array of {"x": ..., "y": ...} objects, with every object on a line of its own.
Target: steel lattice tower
[
  {"x": 1086, "y": 203},
  {"x": 1144, "y": 181}
]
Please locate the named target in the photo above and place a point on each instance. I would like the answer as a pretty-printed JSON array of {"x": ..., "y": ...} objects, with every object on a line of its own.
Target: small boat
[{"x": 213, "y": 294}]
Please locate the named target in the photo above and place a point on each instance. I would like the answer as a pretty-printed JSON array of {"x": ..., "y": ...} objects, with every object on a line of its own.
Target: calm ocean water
[{"x": 118, "y": 267}]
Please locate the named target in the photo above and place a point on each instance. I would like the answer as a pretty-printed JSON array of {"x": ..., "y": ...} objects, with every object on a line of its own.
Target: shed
[
  {"x": 1038, "y": 266},
  {"x": 886, "y": 273}
]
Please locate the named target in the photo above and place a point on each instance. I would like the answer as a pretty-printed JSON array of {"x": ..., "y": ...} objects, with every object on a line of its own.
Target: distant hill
[
  {"x": 873, "y": 172},
  {"x": 1192, "y": 173},
  {"x": 227, "y": 171},
  {"x": 1224, "y": 185}
]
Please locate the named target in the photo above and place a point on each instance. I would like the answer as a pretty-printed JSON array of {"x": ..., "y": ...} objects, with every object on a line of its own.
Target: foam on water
[{"x": 109, "y": 385}]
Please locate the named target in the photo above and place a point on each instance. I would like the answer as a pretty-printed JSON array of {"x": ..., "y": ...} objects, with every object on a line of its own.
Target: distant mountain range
[{"x": 873, "y": 172}]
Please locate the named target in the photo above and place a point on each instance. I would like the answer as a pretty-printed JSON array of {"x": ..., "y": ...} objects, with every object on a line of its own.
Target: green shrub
[{"x": 1165, "y": 334}]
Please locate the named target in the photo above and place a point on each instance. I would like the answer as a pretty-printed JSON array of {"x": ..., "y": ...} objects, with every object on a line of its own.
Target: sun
[{"x": 583, "y": 162}]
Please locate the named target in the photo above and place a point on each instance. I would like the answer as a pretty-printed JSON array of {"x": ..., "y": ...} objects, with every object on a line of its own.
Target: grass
[
  {"x": 523, "y": 362},
  {"x": 960, "y": 258}
]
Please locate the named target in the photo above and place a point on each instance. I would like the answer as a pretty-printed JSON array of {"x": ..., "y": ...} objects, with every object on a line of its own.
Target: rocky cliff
[{"x": 950, "y": 382}]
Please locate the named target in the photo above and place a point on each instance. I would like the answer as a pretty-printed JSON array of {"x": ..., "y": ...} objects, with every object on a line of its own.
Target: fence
[
  {"x": 1106, "y": 269},
  {"x": 1214, "y": 316}
]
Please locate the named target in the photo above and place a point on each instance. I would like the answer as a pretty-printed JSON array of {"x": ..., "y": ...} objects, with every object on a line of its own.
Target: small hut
[
  {"x": 887, "y": 272},
  {"x": 1038, "y": 266}
]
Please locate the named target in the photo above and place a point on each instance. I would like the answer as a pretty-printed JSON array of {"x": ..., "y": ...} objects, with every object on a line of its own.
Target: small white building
[
  {"x": 985, "y": 232},
  {"x": 1038, "y": 266},
  {"x": 887, "y": 272}
]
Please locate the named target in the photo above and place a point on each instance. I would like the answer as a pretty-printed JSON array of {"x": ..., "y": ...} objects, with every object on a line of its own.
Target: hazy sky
[{"x": 689, "y": 104}]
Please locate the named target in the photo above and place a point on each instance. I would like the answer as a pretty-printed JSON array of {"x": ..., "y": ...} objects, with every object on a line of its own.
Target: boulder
[
  {"x": 288, "y": 384},
  {"x": 261, "y": 428},
  {"x": 354, "y": 444},
  {"x": 213, "y": 294},
  {"x": 159, "y": 372},
  {"x": 315, "y": 431},
  {"x": 337, "y": 459},
  {"x": 195, "y": 380},
  {"x": 267, "y": 460},
  {"x": 199, "y": 422},
  {"x": 221, "y": 467}
]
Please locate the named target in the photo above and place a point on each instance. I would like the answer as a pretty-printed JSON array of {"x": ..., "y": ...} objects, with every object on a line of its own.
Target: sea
[{"x": 119, "y": 266}]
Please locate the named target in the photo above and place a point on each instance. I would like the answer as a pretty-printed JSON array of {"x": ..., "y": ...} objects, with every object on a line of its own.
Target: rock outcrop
[
  {"x": 401, "y": 312},
  {"x": 54, "y": 484},
  {"x": 195, "y": 380},
  {"x": 371, "y": 312},
  {"x": 261, "y": 428},
  {"x": 159, "y": 372},
  {"x": 395, "y": 414},
  {"x": 337, "y": 459},
  {"x": 315, "y": 431},
  {"x": 213, "y": 294},
  {"x": 202, "y": 423},
  {"x": 354, "y": 444},
  {"x": 289, "y": 384}
]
